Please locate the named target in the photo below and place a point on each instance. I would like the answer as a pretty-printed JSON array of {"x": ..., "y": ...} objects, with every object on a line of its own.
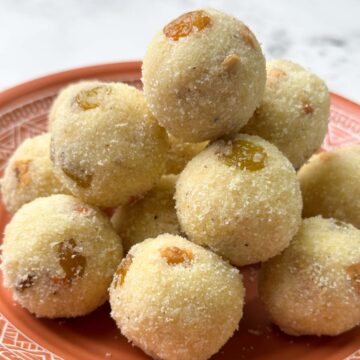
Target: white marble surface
[{"x": 38, "y": 37}]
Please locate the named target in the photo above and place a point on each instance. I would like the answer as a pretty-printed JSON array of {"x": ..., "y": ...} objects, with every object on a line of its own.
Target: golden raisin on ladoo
[
  {"x": 150, "y": 216},
  {"x": 29, "y": 174},
  {"x": 294, "y": 112},
  {"x": 106, "y": 146},
  {"x": 176, "y": 300},
  {"x": 59, "y": 256},
  {"x": 203, "y": 75},
  {"x": 313, "y": 287},
  {"x": 241, "y": 198},
  {"x": 330, "y": 184}
]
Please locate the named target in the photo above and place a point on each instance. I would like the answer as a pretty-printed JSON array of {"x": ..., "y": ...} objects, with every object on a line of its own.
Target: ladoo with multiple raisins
[
  {"x": 106, "y": 146},
  {"x": 294, "y": 112},
  {"x": 58, "y": 256},
  {"x": 176, "y": 300},
  {"x": 241, "y": 198},
  {"x": 204, "y": 75},
  {"x": 313, "y": 287}
]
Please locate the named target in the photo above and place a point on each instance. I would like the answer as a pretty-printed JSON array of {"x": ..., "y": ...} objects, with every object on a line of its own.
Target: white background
[{"x": 38, "y": 37}]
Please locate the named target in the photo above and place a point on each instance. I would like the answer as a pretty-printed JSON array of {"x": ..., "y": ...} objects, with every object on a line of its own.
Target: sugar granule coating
[
  {"x": 313, "y": 287},
  {"x": 330, "y": 184},
  {"x": 180, "y": 153},
  {"x": 106, "y": 146},
  {"x": 176, "y": 300},
  {"x": 203, "y": 79},
  {"x": 29, "y": 174},
  {"x": 294, "y": 112},
  {"x": 241, "y": 198},
  {"x": 150, "y": 216},
  {"x": 59, "y": 256}
]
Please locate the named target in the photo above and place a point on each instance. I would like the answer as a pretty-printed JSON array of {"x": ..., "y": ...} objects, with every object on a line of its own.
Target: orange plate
[{"x": 23, "y": 113}]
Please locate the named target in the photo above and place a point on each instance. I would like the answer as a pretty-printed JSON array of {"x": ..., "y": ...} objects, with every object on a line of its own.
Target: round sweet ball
[
  {"x": 313, "y": 287},
  {"x": 241, "y": 198},
  {"x": 150, "y": 216},
  {"x": 294, "y": 112},
  {"x": 330, "y": 184},
  {"x": 59, "y": 256},
  {"x": 204, "y": 75},
  {"x": 180, "y": 153},
  {"x": 176, "y": 300},
  {"x": 29, "y": 174},
  {"x": 106, "y": 146}
]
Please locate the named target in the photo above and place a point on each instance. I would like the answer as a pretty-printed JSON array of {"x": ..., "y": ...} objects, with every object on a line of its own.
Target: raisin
[
  {"x": 58, "y": 280},
  {"x": 231, "y": 63},
  {"x": 122, "y": 270},
  {"x": 175, "y": 255},
  {"x": 82, "y": 210},
  {"x": 25, "y": 283},
  {"x": 81, "y": 177},
  {"x": 247, "y": 36},
  {"x": 354, "y": 272},
  {"x": 71, "y": 261},
  {"x": 307, "y": 108},
  {"x": 91, "y": 98},
  {"x": 245, "y": 155},
  {"x": 187, "y": 23},
  {"x": 21, "y": 169},
  {"x": 276, "y": 73}
]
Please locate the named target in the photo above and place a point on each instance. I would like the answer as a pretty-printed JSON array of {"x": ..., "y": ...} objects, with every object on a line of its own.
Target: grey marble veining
[{"x": 42, "y": 36}]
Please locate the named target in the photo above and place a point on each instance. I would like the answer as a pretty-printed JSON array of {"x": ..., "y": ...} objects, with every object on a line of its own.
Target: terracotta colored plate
[{"x": 23, "y": 112}]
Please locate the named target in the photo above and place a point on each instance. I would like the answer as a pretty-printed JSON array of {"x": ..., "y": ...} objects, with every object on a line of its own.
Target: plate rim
[{"x": 38, "y": 83}]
